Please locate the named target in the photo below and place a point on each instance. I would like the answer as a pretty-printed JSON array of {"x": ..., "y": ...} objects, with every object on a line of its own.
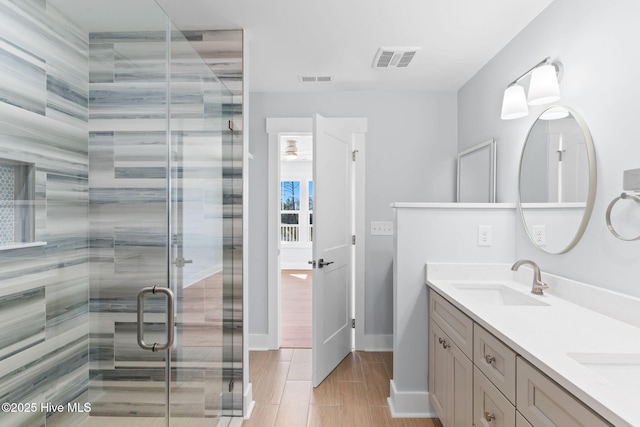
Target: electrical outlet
[
  {"x": 539, "y": 234},
  {"x": 381, "y": 228},
  {"x": 484, "y": 235}
]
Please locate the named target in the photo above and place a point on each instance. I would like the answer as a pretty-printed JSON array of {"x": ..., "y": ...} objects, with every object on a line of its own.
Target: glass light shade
[
  {"x": 291, "y": 152},
  {"x": 543, "y": 88},
  {"x": 514, "y": 103}
]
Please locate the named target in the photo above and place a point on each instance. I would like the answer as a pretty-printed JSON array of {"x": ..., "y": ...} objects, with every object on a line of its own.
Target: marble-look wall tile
[
  {"x": 49, "y": 372},
  {"x": 23, "y": 78},
  {"x": 102, "y": 63},
  {"x": 43, "y": 290},
  {"x": 23, "y": 318}
]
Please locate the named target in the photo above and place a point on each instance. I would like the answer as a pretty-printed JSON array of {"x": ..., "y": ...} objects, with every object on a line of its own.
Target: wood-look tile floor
[
  {"x": 353, "y": 395},
  {"x": 295, "y": 310}
]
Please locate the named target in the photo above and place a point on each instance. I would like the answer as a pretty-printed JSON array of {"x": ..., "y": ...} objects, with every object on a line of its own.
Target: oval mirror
[{"x": 557, "y": 185}]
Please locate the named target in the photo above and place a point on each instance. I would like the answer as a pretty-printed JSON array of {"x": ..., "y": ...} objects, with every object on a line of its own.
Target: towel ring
[{"x": 608, "y": 215}]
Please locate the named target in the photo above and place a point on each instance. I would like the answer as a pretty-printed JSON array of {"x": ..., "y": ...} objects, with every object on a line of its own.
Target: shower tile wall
[{"x": 43, "y": 290}]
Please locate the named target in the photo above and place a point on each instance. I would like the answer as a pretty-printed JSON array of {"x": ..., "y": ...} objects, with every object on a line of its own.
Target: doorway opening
[
  {"x": 338, "y": 288},
  {"x": 296, "y": 239}
]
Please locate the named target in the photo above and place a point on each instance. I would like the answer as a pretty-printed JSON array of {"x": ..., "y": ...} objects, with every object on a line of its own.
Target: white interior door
[{"x": 332, "y": 224}]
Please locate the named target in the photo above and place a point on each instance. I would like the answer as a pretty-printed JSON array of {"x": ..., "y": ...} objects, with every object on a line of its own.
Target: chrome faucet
[{"x": 538, "y": 284}]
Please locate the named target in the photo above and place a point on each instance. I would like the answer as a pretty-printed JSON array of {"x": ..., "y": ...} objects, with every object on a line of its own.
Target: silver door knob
[{"x": 322, "y": 263}]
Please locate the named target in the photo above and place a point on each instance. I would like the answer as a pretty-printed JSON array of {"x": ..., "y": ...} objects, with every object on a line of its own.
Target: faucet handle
[{"x": 538, "y": 286}]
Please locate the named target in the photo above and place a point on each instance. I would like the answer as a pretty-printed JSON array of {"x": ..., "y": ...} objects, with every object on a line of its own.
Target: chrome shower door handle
[{"x": 170, "y": 318}]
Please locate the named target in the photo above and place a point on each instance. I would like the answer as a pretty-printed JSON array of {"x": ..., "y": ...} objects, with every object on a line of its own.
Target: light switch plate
[{"x": 381, "y": 228}]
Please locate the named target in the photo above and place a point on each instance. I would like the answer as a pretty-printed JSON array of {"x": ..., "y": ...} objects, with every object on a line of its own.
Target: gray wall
[
  {"x": 410, "y": 156},
  {"x": 597, "y": 42}
]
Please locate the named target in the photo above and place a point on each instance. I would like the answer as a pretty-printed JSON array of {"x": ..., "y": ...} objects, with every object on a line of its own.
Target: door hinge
[
  {"x": 353, "y": 323},
  {"x": 353, "y": 155},
  {"x": 353, "y": 239}
]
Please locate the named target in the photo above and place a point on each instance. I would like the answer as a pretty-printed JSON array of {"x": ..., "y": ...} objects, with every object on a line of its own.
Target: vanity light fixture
[
  {"x": 543, "y": 89},
  {"x": 292, "y": 150}
]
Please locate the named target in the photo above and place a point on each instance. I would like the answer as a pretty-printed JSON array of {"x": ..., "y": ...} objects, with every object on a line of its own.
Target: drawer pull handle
[
  {"x": 445, "y": 344},
  {"x": 440, "y": 340},
  {"x": 489, "y": 359},
  {"x": 489, "y": 416}
]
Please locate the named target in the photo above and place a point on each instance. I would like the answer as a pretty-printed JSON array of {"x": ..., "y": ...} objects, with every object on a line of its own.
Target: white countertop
[{"x": 548, "y": 335}]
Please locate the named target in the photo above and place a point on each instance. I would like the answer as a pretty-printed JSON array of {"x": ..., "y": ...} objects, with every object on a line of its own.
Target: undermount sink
[
  {"x": 496, "y": 294},
  {"x": 620, "y": 370}
]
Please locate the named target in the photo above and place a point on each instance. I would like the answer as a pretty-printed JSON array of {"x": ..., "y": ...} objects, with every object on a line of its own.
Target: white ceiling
[{"x": 340, "y": 38}]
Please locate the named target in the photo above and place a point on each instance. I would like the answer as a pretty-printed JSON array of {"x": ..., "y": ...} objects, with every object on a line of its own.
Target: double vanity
[
  {"x": 507, "y": 345},
  {"x": 500, "y": 355}
]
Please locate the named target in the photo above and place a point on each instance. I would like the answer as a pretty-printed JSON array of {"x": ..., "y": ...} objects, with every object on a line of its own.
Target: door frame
[{"x": 275, "y": 127}]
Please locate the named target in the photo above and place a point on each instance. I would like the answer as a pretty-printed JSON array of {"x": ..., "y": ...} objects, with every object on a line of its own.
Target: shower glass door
[
  {"x": 155, "y": 172},
  {"x": 196, "y": 223}
]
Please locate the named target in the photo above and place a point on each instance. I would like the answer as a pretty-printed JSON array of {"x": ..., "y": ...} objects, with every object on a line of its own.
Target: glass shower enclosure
[{"x": 133, "y": 275}]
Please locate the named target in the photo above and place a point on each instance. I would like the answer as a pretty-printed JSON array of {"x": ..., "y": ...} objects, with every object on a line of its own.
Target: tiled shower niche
[{"x": 17, "y": 191}]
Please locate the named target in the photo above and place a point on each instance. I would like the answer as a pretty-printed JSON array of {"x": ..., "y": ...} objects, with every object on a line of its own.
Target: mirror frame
[
  {"x": 490, "y": 146},
  {"x": 593, "y": 178}
]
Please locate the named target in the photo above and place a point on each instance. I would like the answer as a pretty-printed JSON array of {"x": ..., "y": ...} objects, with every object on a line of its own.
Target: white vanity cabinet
[
  {"x": 477, "y": 380},
  {"x": 450, "y": 368}
]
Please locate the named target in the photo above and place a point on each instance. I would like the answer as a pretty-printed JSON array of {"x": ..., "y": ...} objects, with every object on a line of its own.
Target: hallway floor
[
  {"x": 353, "y": 395},
  {"x": 295, "y": 321}
]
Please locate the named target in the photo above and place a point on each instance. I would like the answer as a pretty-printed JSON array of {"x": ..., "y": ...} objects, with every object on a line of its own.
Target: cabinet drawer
[
  {"x": 496, "y": 361},
  {"x": 545, "y": 403},
  {"x": 490, "y": 407},
  {"x": 453, "y": 322}
]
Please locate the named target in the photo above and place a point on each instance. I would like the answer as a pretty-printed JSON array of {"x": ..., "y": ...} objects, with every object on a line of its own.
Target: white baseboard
[
  {"x": 409, "y": 404},
  {"x": 260, "y": 342},
  {"x": 378, "y": 342},
  {"x": 248, "y": 402}
]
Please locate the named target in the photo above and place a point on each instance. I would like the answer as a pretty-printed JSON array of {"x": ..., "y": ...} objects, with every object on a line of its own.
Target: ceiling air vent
[
  {"x": 314, "y": 79},
  {"x": 398, "y": 57}
]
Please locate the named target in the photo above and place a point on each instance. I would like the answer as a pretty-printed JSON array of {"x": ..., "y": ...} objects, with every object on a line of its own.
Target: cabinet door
[
  {"x": 461, "y": 388},
  {"x": 438, "y": 372},
  {"x": 450, "y": 380},
  {"x": 490, "y": 407},
  {"x": 544, "y": 403}
]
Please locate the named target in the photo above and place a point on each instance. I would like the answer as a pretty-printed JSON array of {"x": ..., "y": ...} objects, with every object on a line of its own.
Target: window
[
  {"x": 290, "y": 211},
  {"x": 296, "y": 212}
]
